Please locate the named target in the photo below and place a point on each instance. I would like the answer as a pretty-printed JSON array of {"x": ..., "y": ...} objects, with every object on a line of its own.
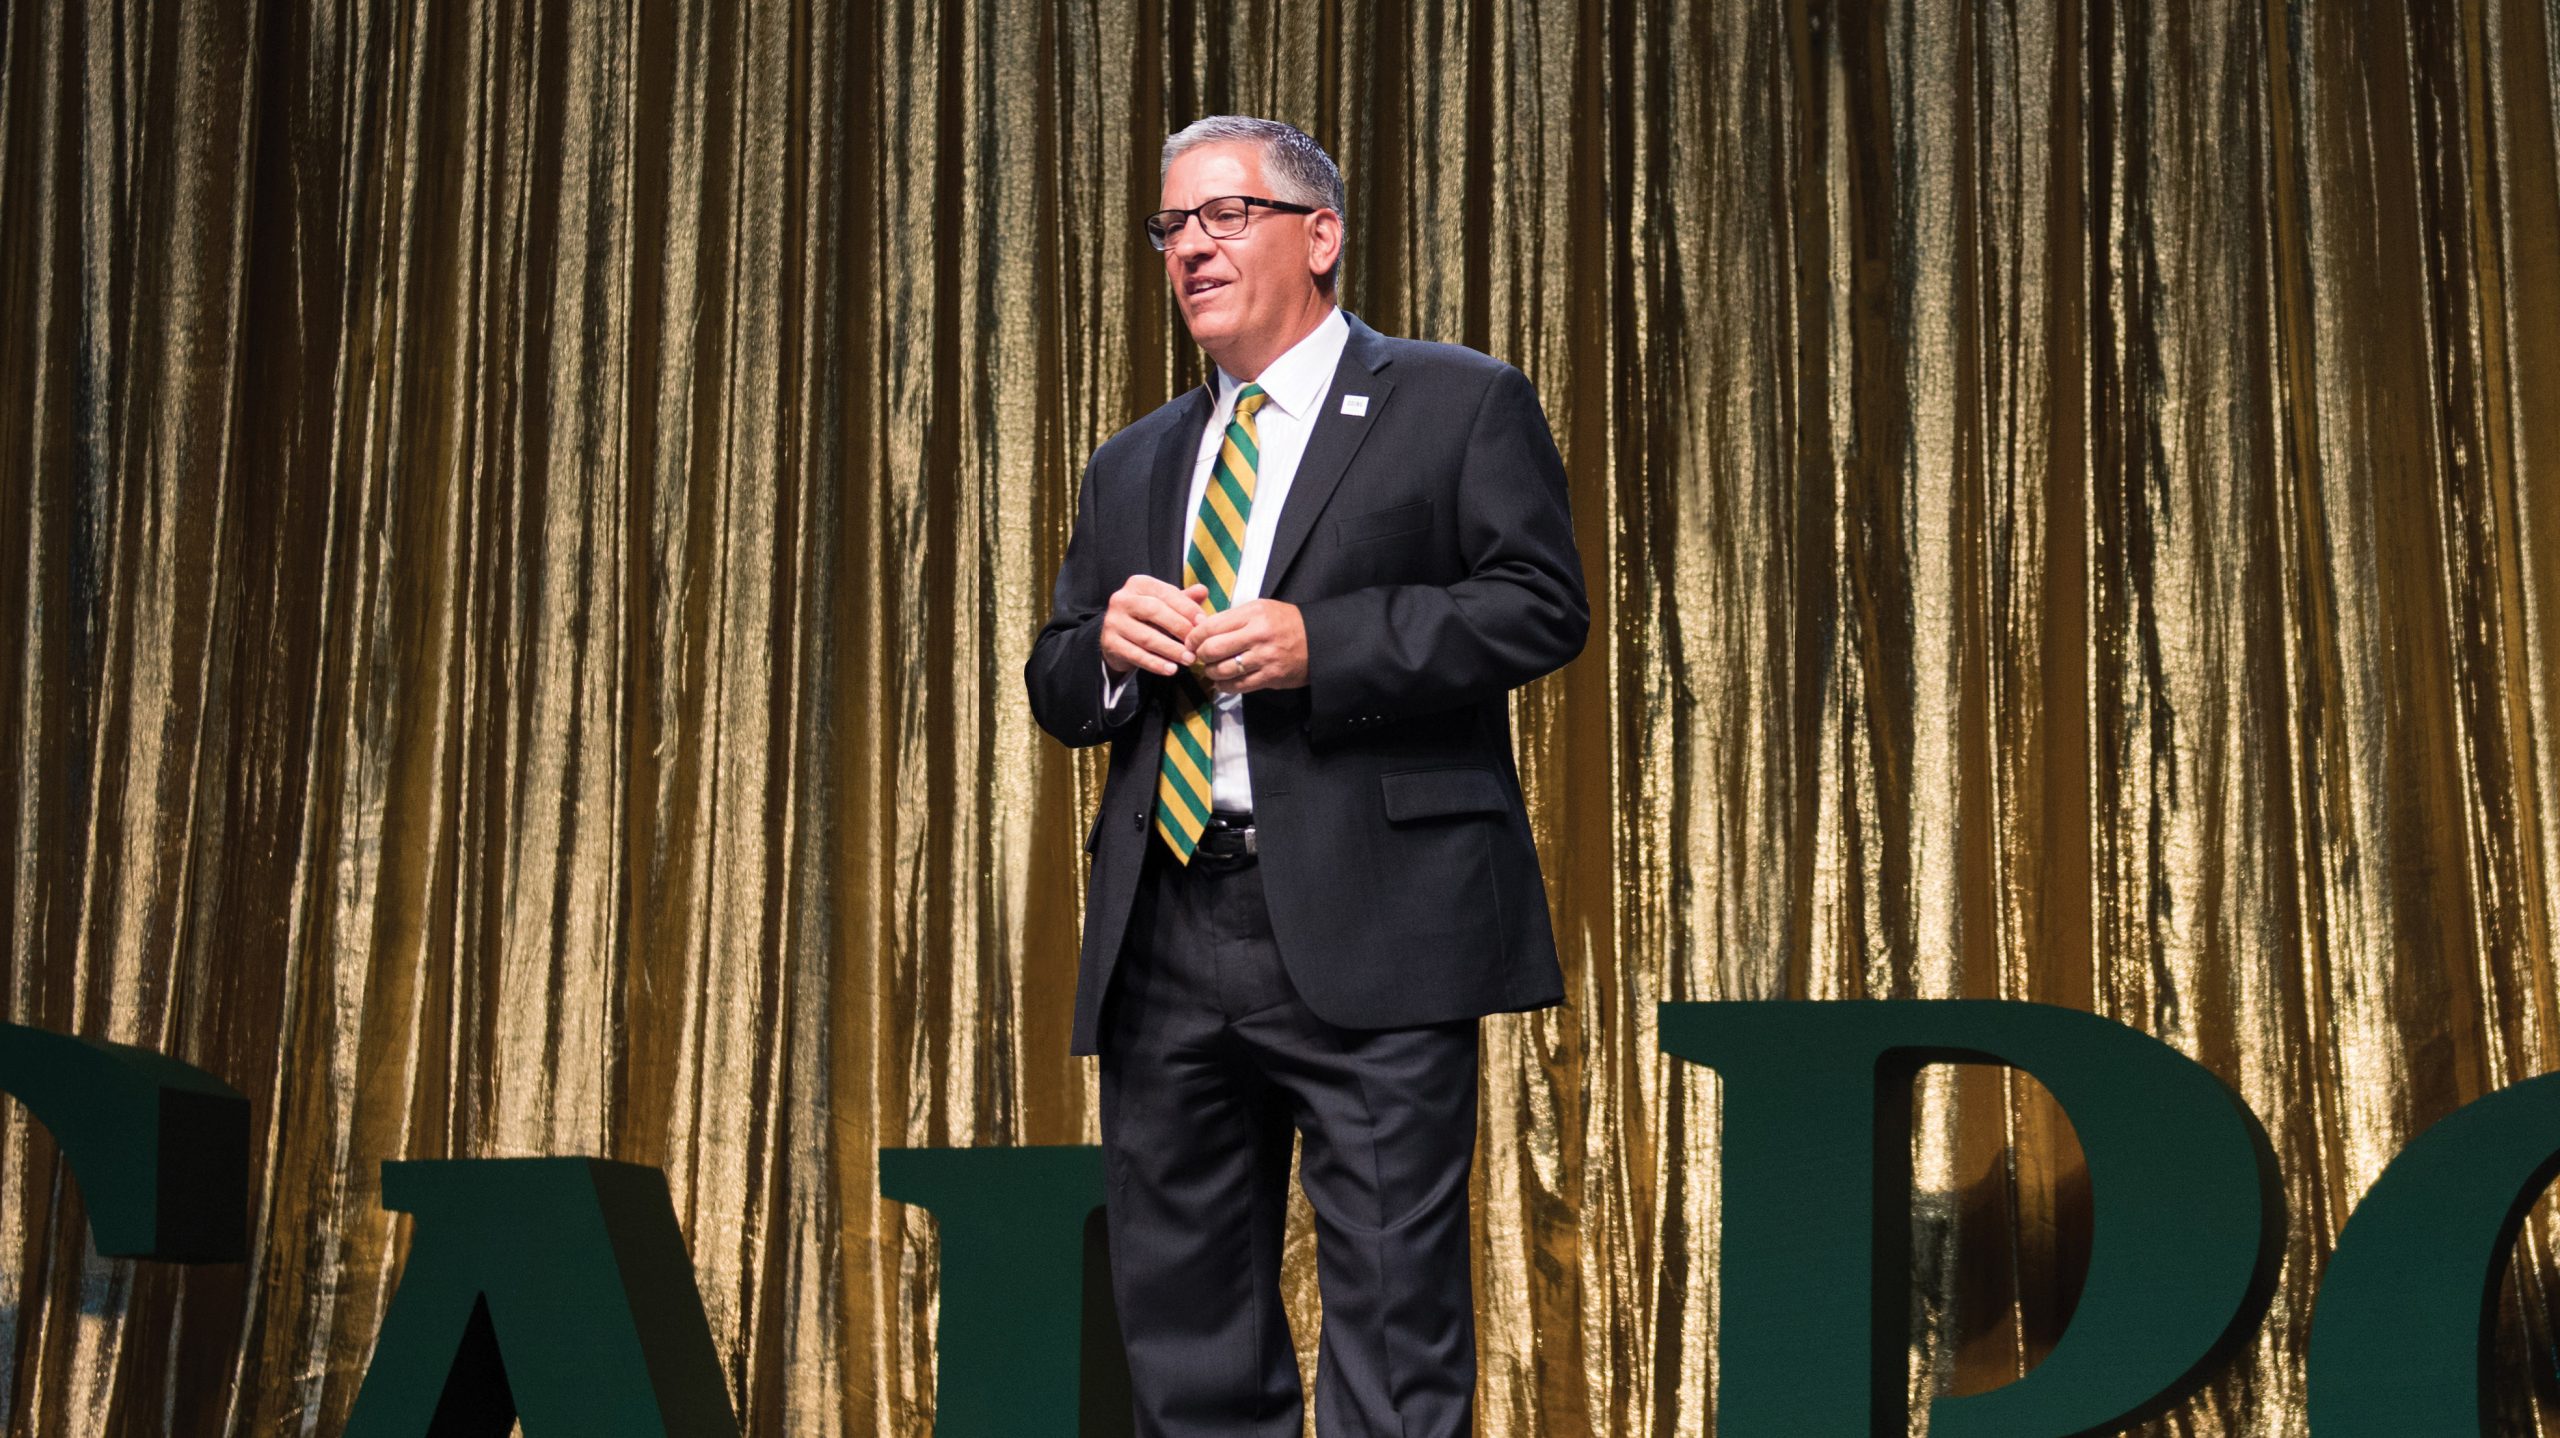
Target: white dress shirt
[{"x": 1297, "y": 383}]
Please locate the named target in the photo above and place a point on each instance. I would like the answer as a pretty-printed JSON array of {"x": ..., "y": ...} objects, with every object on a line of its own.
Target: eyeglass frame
[{"x": 1147, "y": 225}]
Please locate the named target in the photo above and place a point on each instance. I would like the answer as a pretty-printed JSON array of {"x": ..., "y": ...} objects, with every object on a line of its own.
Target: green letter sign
[
  {"x": 160, "y": 1150},
  {"x": 555, "y": 1289},
  {"x": 2401, "y": 1338},
  {"x": 1817, "y": 1175},
  {"x": 1029, "y": 1343}
]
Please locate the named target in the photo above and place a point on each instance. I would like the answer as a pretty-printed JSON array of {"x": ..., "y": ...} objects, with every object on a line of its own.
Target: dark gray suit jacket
[{"x": 1427, "y": 545}]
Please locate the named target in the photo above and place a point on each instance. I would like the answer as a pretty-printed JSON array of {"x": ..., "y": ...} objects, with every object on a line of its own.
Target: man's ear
[{"x": 1324, "y": 244}]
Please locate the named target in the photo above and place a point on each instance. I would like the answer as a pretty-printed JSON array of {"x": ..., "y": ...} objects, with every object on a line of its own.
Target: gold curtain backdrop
[{"x": 527, "y": 520}]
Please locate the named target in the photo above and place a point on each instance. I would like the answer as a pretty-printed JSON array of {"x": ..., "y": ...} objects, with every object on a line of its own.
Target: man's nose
[{"x": 1192, "y": 238}]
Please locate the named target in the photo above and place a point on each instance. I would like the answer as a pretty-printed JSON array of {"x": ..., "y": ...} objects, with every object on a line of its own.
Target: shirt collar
[{"x": 1298, "y": 379}]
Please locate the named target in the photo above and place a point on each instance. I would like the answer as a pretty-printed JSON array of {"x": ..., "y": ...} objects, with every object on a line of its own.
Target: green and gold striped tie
[{"x": 1215, "y": 555}]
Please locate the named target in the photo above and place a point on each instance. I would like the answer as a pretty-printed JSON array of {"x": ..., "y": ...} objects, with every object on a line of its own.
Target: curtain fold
[{"x": 529, "y": 518}]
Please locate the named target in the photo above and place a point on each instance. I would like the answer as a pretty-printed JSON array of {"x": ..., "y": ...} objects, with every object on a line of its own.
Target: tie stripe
[
  {"x": 1215, "y": 557},
  {"x": 1221, "y": 521}
]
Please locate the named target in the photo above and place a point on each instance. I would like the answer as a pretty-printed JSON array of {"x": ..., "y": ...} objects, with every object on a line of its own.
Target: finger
[
  {"x": 1225, "y": 621},
  {"x": 1166, "y": 620},
  {"x": 1142, "y": 588},
  {"x": 1152, "y": 649},
  {"x": 1217, "y": 649},
  {"x": 1163, "y": 608},
  {"x": 1131, "y": 658}
]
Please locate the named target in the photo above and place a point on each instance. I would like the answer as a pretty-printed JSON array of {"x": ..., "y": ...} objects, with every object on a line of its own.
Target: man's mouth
[{"x": 1194, "y": 289}]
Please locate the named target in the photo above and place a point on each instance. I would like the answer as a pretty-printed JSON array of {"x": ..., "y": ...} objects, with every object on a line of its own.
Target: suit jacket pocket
[
  {"x": 1439, "y": 793},
  {"x": 1385, "y": 523}
]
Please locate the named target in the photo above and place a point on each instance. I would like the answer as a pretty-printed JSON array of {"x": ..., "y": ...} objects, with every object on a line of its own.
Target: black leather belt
[{"x": 1228, "y": 839}]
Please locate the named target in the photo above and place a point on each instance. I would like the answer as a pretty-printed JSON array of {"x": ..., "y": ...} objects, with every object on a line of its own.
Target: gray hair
[{"x": 1294, "y": 166}]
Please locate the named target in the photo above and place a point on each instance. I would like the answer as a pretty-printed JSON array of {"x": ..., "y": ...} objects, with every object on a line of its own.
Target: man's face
[{"x": 1247, "y": 299}]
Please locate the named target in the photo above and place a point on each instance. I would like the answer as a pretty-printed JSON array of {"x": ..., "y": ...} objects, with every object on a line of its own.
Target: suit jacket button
[{"x": 1138, "y": 821}]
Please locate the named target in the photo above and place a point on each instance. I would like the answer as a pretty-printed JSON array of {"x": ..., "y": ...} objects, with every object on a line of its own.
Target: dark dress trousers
[{"x": 1330, "y": 985}]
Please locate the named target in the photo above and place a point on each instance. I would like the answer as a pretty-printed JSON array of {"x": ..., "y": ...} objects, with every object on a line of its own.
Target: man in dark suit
[{"x": 1295, "y": 602}]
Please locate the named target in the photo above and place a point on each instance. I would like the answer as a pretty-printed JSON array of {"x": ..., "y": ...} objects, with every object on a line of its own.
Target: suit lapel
[
  {"x": 1330, "y": 448},
  {"x": 1170, "y": 488}
]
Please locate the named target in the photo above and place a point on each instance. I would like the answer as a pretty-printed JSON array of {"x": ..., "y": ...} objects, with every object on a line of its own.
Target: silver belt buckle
[{"x": 1247, "y": 846}]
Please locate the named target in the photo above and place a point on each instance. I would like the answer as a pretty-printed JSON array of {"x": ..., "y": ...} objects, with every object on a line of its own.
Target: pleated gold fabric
[{"x": 527, "y": 519}]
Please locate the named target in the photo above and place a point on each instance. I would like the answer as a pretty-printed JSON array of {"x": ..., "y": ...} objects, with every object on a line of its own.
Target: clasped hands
[{"x": 1259, "y": 644}]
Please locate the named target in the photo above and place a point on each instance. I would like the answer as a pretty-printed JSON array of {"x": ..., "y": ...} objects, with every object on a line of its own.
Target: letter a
[
  {"x": 1816, "y": 1268},
  {"x": 555, "y": 1290}
]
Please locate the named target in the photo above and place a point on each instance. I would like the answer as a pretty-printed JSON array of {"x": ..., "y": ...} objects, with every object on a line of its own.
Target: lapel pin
[{"x": 1355, "y": 405}]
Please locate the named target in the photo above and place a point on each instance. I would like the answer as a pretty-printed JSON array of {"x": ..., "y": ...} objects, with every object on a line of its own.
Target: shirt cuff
[{"x": 1115, "y": 689}]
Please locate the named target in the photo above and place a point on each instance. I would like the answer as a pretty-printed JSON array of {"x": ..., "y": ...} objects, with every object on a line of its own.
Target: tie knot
[{"x": 1250, "y": 399}]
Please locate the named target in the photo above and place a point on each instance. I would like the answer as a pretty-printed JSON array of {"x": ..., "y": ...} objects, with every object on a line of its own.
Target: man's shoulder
[
  {"x": 1441, "y": 379},
  {"x": 1138, "y": 438},
  {"x": 1437, "y": 357}
]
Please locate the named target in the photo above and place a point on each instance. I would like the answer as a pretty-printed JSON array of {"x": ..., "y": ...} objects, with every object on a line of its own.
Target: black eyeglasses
[{"x": 1223, "y": 218}]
